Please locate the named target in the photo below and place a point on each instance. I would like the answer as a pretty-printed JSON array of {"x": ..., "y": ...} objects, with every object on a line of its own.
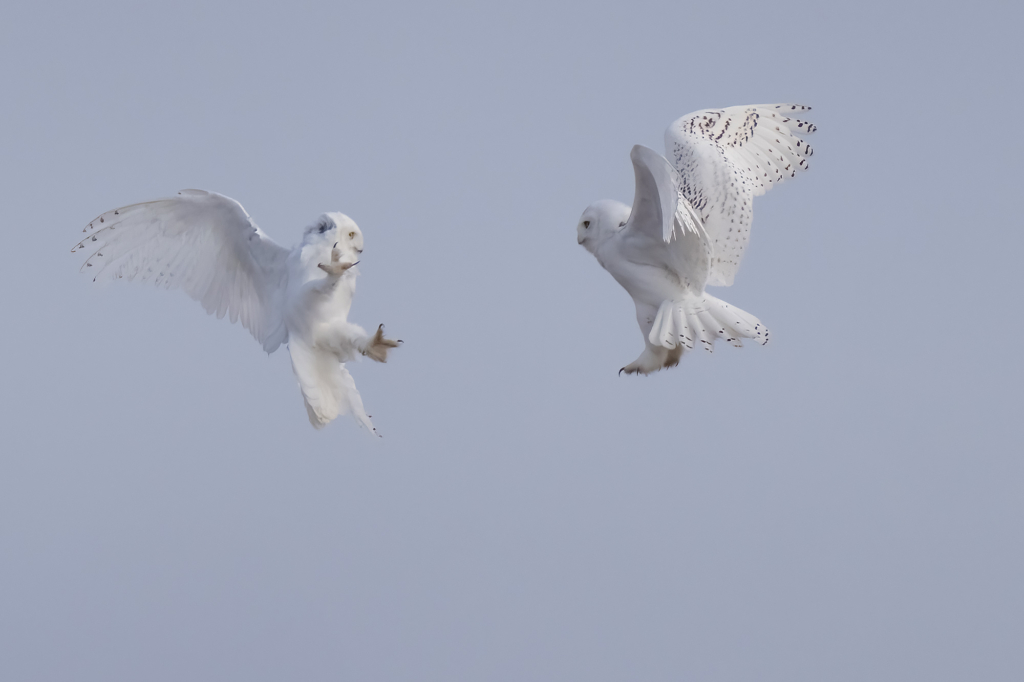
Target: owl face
[
  {"x": 332, "y": 229},
  {"x": 601, "y": 220}
]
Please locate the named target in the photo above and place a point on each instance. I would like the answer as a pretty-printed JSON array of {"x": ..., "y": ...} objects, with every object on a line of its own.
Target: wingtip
[{"x": 639, "y": 152}]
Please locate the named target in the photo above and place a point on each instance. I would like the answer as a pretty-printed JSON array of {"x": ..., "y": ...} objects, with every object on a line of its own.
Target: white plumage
[
  {"x": 690, "y": 224},
  {"x": 207, "y": 245}
]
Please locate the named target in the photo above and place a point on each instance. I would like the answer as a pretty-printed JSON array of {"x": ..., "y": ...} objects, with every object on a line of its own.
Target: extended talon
[
  {"x": 378, "y": 347},
  {"x": 335, "y": 267}
]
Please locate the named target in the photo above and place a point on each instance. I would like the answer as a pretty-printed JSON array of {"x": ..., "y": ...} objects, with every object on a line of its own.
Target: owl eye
[
  {"x": 351, "y": 235},
  {"x": 586, "y": 224}
]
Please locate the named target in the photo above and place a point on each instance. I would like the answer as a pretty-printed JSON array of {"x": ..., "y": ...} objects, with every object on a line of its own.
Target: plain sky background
[{"x": 843, "y": 504}]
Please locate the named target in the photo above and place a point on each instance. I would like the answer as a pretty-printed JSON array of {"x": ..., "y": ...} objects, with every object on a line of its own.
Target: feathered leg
[
  {"x": 327, "y": 388},
  {"x": 654, "y": 356}
]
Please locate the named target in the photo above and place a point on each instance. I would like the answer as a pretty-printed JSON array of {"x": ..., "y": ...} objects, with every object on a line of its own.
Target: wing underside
[
  {"x": 663, "y": 229},
  {"x": 203, "y": 243}
]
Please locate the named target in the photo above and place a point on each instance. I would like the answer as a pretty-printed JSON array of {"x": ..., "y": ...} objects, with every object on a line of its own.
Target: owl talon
[
  {"x": 335, "y": 267},
  {"x": 378, "y": 347}
]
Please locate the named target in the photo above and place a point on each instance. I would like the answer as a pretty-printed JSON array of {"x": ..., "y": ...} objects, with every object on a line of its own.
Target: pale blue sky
[{"x": 843, "y": 504}]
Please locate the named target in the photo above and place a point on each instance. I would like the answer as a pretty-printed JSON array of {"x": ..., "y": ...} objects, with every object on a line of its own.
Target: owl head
[
  {"x": 333, "y": 229},
  {"x": 601, "y": 220}
]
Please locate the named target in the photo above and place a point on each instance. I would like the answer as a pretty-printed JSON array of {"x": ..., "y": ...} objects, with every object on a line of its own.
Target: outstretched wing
[
  {"x": 663, "y": 229},
  {"x": 204, "y": 243},
  {"x": 725, "y": 158}
]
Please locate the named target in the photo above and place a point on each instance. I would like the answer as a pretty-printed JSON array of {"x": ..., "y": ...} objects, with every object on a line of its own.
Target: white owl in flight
[
  {"x": 207, "y": 245},
  {"x": 690, "y": 224}
]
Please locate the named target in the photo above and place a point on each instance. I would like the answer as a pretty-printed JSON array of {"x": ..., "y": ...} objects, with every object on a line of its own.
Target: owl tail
[
  {"x": 700, "y": 320},
  {"x": 327, "y": 388}
]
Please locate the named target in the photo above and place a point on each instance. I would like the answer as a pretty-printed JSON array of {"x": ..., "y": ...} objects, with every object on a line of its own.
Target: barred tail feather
[
  {"x": 699, "y": 321},
  {"x": 703, "y": 338},
  {"x": 740, "y": 323},
  {"x": 692, "y": 322}
]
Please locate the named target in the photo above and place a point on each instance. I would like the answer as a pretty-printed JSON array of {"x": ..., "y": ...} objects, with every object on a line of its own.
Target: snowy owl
[
  {"x": 690, "y": 223},
  {"x": 206, "y": 244}
]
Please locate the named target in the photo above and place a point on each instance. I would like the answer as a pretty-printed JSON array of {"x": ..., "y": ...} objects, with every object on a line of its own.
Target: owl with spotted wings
[{"x": 690, "y": 224}]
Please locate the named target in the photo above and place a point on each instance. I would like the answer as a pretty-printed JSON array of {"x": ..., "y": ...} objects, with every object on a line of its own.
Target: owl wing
[
  {"x": 203, "y": 243},
  {"x": 725, "y": 158},
  {"x": 663, "y": 229}
]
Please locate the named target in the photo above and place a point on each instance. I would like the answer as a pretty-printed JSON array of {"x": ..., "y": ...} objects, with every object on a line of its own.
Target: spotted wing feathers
[{"x": 726, "y": 157}]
